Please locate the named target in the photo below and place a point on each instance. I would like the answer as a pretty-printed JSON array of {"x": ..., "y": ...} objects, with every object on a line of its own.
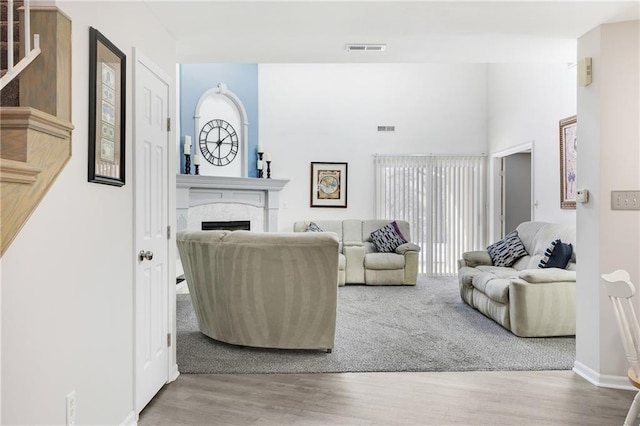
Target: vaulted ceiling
[{"x": 416, "y": 31}]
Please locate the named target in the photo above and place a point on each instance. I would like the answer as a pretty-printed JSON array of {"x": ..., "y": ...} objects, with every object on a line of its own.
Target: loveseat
[
  {"x": 274, "y": 290},
  {"x": 524, "y": 298},
  {"x": 360, "y": 262}
]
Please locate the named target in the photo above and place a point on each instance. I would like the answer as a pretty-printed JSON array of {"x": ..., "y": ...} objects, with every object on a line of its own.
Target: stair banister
[{"x": 30, "y": 54}]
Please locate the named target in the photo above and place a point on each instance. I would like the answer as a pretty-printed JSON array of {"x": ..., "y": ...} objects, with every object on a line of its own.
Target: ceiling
[{"x": 417, "y": 31}]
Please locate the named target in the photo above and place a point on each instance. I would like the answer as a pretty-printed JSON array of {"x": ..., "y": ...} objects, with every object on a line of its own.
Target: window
[{"x": 444, "y": 200}]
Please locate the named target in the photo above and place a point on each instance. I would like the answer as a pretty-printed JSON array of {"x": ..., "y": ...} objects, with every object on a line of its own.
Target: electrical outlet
[
  {"x": 625, "y": 200},
  {"x": 71, "y": 408}
]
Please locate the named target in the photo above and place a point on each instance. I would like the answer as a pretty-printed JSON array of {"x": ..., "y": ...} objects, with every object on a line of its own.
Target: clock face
[{"x": 218, "y": 142}]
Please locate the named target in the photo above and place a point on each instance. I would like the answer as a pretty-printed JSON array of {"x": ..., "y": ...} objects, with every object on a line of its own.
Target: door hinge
[
  {"x": 168, "y": 339},
  {"x": 169, "y": 232},
  {"x": 168, "y": 124}
]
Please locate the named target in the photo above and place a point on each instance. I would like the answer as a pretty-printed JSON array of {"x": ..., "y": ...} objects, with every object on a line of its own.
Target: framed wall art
[
  {"x": 328, "y": 184},
  {"x": 568, "y": 158},
  {"x": 107, "y": 94}
]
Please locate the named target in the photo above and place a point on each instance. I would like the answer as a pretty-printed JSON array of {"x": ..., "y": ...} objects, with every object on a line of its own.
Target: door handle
[{"x": 145, "y": 255}]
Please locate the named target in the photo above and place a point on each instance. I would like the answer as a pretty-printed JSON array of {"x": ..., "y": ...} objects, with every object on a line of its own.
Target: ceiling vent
[{"x": 366, "y": 47}]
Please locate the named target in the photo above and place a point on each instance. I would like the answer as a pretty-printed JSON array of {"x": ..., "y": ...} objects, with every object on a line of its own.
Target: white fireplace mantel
[{"x": 196, "y": 190}]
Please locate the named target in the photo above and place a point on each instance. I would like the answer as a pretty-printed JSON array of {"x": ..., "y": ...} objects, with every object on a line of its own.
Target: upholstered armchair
[{"x": 275, "y": 290}]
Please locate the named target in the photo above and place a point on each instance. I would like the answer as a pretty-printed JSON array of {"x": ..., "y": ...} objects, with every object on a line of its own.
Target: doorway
[
  {"x": 511, "y": 189},
  {"x": 516, "y": 190}
]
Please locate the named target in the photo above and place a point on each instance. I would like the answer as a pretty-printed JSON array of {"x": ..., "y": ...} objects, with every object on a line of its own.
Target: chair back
[{"x": 620, "y": 291}]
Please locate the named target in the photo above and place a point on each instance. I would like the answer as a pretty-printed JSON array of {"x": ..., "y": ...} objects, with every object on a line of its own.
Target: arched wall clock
[{"x": 221, "y": 128}]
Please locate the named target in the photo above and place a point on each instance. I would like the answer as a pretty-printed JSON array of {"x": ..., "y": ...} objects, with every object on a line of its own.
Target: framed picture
[
  {"x": 107, "y": 94},
  {"x": 328, "y": 184},
  {"x": 568, "y": 156}
]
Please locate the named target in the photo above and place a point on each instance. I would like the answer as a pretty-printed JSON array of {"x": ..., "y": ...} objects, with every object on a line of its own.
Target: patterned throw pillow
[
  {"x": 506, "y": 251},
  {"x": 313, "y": 228},
  {"x": 557, "y": 255},
  {"x": 388, "y": 238}
]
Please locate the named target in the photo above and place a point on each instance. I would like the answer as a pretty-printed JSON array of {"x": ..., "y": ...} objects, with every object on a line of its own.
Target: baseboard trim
[
  {"x": 174, "y": 373},
  {"x": 130, "y": 420},
  {"x": 602, "y": 380}
]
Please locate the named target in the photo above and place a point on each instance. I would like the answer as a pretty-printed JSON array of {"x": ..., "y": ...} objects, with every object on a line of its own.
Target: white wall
[
  {"x": 330, "y": 113},
  {"x": 609, "y": 155},
  {"x": 67, "y": 279},
  {"x": 525, "y": 104}
]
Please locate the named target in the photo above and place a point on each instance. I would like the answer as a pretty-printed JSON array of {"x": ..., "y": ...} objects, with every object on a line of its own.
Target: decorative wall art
[
  {"x": 328, "y": 184},
  {"x": 107, "y": 94},
  {"x": 568, "y": 158}
]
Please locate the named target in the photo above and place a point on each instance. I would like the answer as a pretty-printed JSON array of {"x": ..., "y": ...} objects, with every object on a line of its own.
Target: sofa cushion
[
  {"x": 506, "y": 251},
  {"x": 382, "y": 261},
  {"x": 494, "y": 287},
  {"x": 557, "y": 255},
  {"x": 388, "y": 238}
]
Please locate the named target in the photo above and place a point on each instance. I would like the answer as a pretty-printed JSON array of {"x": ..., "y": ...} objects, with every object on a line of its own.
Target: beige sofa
[
  {"x": 275, "y": 290},
  {"x": 360, "y": 262},
  {"x": 529, "y": 301}
]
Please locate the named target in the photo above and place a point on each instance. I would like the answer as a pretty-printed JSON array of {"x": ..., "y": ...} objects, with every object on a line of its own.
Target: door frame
[
  {"x": 139, "y": 59},
  {"x": 495, "y": 188}
]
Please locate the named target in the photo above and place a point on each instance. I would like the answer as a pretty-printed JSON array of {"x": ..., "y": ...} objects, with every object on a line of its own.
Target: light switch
[{"x": 625, "y": 200}]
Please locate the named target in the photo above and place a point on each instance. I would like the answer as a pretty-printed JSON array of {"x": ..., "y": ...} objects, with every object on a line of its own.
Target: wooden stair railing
[{"x": 35, "y": 138}]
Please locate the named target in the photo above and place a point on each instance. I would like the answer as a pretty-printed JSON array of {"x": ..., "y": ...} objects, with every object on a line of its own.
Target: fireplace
[
  {"x": 228, "y": 225},
  {"x": 215, "y": 198}
]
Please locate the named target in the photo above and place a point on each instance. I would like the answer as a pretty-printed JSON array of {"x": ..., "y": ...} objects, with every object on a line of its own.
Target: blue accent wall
[{"x": 241, "y": 79}]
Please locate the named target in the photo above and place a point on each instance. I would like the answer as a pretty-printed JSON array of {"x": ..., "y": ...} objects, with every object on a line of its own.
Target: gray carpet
[{"x": 421, "y": 328}]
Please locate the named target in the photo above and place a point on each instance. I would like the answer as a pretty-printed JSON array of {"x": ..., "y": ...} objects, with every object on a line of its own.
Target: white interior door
[{"x": 151, "y": 149}]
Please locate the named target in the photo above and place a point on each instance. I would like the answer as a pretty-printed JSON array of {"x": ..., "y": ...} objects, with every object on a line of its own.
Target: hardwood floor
[{"x": 467, "y": 398}]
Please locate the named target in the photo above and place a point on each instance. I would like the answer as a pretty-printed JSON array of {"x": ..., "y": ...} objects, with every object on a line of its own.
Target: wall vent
[
  {"x": 366, "y": 47},
  {"x": 386, "y": 128}
]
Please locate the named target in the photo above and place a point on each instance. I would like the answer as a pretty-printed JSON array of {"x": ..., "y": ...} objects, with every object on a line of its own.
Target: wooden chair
[{"x": 620, "y": 291}]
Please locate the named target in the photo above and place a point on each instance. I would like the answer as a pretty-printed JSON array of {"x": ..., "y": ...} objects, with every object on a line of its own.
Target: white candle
[
  {"x": 196, "y": 159},
  {"x": 259, "y": 164},
  {"x": 267, "y": 157},
  {"x": 260, "y": 148},
  {"x": 187, "y": 144}
]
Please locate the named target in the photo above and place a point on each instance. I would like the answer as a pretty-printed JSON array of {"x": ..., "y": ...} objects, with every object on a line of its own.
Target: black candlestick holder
[
  {"x": 260, "y": 172},
  {"x": 268, "y": 169},
  {"x": 187, "y": 164},
  {"x": 197, "y": 169}
]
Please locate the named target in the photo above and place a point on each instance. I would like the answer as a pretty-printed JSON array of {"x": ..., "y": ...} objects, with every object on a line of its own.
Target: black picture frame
[
  {"x": 328, "y": 184},
  {"x": 107, "y": 101}
]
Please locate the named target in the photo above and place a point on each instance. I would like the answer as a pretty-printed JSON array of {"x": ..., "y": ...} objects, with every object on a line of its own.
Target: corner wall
[
  {"x": 608, "y": 160},
  {"x": 67, "y": 279},
  {"x": 525, "y": 104}
]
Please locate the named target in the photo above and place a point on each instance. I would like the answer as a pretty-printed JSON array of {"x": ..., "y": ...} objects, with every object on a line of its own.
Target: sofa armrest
[
  {"x": 406, "y": 247},
  {"x": 548, "y": 275},
  {"x": 542, "y": 310},
  {"x": 475, "y": 258}
]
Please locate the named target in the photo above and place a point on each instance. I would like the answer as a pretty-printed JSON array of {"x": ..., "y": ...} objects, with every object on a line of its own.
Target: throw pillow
[
  {"x": 557, "y": 255},
  {"x": 506, "y": 251},
  {"x": 313, "y": 228},
  {"x": 388, "y": 238}
]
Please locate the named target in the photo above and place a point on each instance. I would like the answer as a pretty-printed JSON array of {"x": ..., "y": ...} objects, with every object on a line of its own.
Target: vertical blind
[{"x": 444, "y": 200}]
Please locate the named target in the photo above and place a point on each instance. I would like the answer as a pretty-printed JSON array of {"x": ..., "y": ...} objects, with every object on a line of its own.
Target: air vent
[
  {"x": 366, "y": 47},
  {"x": 386, "y": 128}
]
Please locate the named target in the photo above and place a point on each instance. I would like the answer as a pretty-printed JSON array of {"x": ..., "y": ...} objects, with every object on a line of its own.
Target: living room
[{"x": 67, "y": 323}]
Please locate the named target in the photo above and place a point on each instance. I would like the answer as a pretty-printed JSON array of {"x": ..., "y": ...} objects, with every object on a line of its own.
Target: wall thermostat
[{"x": 582, "y": 195}]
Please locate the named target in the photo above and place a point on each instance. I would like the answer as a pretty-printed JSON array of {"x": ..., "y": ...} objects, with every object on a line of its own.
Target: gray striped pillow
[
  {"x": 506, "y": 251},
  {"x": 388, "y": 238}
]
